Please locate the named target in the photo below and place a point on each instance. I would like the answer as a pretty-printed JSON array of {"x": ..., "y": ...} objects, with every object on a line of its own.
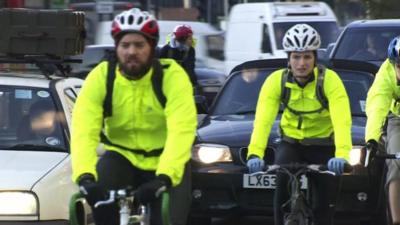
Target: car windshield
[
  {"x": 240, "y": 93},
  {"x": 365, "y": 44},
  {"x": 329, "y": 31},
  {"x": 90, "y": 58},
  {"x": 29, "y": 120}
]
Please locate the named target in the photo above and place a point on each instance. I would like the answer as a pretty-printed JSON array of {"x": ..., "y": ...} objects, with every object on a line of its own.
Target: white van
[
  {"x": 255, "y": 30},
  {"x": 209, "y": 45}
]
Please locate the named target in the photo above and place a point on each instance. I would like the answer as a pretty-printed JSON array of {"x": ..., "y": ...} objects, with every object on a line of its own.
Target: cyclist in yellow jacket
[
  {"x": 310, "y": 133},
  {"x": 148, "y": 145},
  {"x": 383, "y": 102}
]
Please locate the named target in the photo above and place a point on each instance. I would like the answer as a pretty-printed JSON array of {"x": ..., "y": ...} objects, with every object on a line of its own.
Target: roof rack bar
[{"x": 35, "y": 59}]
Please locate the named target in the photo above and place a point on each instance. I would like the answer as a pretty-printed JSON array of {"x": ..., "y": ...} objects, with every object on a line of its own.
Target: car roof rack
[{"x": 48, "y": 64}]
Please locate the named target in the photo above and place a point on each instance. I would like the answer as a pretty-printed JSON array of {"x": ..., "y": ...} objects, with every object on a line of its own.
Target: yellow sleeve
[
  {"x": 379, "y": 99},
  {"x": 267, "y": 109},
  {"x": 181, "y": 118},
  {"x": 87, "y": 119},
  {"x": 339, "y": 110}
]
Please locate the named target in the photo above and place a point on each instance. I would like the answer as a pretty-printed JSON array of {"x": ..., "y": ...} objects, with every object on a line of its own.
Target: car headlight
[
  {"x": 18, "y": 203},
  {"x": 211, "y": 153},
  {"x": 355, "y": 155}
]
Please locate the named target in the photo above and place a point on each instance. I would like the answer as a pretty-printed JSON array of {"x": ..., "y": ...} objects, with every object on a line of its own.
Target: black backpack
[
  {"x": 157, "y": 82},
  {"x": 285, "y": 93}
]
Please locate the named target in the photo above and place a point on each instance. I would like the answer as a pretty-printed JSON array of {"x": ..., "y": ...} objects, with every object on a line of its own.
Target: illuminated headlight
[
  {"x": 355, "y": 155},
  {"x": 18, "y": 203},
  {"x": 210, "y": 153}
]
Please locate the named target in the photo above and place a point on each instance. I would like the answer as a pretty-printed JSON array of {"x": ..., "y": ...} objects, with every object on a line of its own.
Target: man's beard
[{"x": 137, "y": 72}]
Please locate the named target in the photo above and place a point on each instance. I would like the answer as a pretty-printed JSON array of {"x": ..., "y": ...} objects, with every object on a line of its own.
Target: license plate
[
  {"x": 104, "y": 7},
  {"x": 266, "y": 181}
]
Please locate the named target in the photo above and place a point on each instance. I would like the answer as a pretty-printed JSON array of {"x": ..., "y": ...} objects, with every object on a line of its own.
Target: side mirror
[
  {"x": 201, "y": 104},
  {"x": 329, "y": 49},
  {"x": 322, "y": 56}
]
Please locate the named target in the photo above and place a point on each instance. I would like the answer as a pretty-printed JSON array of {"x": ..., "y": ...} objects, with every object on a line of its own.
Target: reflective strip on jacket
[
  {"x": 381, "y": 99},
  {"x": 138, "y": 121},
  {"x": 315, "y": 125}
]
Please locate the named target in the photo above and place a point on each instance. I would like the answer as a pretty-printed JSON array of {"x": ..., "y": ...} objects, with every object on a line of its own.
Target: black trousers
[
  {"x": 323, "y": 187},
  {"x": 115, "y": 171}
]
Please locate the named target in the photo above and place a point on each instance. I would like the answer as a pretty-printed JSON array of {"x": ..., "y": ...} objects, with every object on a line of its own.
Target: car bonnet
[{"x": 20, "y": 170}]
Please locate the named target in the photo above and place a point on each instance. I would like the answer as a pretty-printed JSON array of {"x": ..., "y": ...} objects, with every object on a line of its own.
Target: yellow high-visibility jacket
[
  {"x": 138, "y": 121},
  {"x": 336, "y": 120},
  {"x": 381, "y": 99}
]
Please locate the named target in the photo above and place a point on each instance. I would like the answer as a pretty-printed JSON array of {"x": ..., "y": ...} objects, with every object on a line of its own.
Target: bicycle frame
[
  {"x": 300, "y": 213},
  {"x": 370, "y": 154},
  {"x": 125, "y": 200}
]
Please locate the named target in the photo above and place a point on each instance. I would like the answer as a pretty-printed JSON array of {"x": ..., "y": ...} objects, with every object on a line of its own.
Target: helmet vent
[
  {"x": 305, "y": 41},
  {"x": 297, "y": 41},
  {"x": 290, "y": 42},
  {"x": 122, "y": 20},
  {"x": 140, "y": 20},
  {"x": 130, "y": 20}
]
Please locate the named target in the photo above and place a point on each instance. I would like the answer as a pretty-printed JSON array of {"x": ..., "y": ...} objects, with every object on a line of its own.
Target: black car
[
  {"x": 221, "y": 185},
  {"x": 365, "y": 40}
]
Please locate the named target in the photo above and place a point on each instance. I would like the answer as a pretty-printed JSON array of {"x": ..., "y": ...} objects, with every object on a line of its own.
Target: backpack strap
[
  {"x": 157, "y": 81},
  {"x": 107, "y": 104},
  {"x": 320, "y": 87},
  {"x": 285, "y": 92}
]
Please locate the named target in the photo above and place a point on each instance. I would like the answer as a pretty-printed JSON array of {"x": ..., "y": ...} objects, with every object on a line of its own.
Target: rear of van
[{"x": 255, "y": 30}]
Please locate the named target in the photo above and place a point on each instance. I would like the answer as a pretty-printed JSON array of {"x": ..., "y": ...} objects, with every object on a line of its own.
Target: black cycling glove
[
  {"x": 90, "y": 189},
  {"x": 151, "y": 190},
  {"x": 371, "y": 149},
  {"x": 372, "y": 145}
]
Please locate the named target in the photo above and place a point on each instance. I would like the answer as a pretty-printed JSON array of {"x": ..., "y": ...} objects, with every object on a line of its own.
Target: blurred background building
[{"x": 214, "y": 12}]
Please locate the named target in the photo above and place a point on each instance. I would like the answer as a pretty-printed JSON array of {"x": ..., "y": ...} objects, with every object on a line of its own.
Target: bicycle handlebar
[
  {"x": 370, "y": 153},
  {"x": 319, "y": 168},
  {"x": 124, "y": 193},
  {"x": 387, "y": 156}
]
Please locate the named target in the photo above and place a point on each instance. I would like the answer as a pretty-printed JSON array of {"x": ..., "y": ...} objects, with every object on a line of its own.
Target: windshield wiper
[
  {"x": 244, "y": 112},
  {"x": 42, "y": 148}
]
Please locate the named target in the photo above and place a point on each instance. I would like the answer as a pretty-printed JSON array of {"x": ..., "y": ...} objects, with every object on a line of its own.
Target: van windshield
[{"x": 329, "y": 31}]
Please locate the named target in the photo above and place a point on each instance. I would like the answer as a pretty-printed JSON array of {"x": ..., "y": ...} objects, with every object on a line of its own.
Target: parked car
[
  {"x": 210, "y": 80},
  {"x": 365, "y": 40},
  {"x": 221, "y": 184},
  {"x": 35, "y": 176}
]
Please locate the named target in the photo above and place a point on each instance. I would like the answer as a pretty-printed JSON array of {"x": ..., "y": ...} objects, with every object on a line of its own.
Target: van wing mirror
[{"x": 201, "y": 104}]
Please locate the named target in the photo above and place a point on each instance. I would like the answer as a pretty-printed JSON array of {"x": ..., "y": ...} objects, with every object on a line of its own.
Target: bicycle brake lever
[
  {"x": 106, "y": 202},
  {"x": 160, "y": 191}
]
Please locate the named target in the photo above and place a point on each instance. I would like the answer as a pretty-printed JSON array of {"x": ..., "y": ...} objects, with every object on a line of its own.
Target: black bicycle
[
  {"x": 372, "y": 154},
  {"x": 300, "y": 212},
  {"x": 129, "y": 214}
]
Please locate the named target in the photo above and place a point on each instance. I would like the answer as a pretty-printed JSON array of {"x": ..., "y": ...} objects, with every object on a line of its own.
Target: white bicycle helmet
[
  {"x": 301, "y": 38},
  {"x": 135, "y": 20}
]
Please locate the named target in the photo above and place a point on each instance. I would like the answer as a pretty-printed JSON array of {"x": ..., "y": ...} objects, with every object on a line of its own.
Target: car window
[
  {"x": 328, "y": 31},
  {"x": 240, "y": 93},
  {"x": 90, "y": 58},
  {"x": 28, "y": 119},
  {"x": 266, "y": 43},
  {"x": 366, "y": 44},
  {"x": 215, "y": 44}
]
